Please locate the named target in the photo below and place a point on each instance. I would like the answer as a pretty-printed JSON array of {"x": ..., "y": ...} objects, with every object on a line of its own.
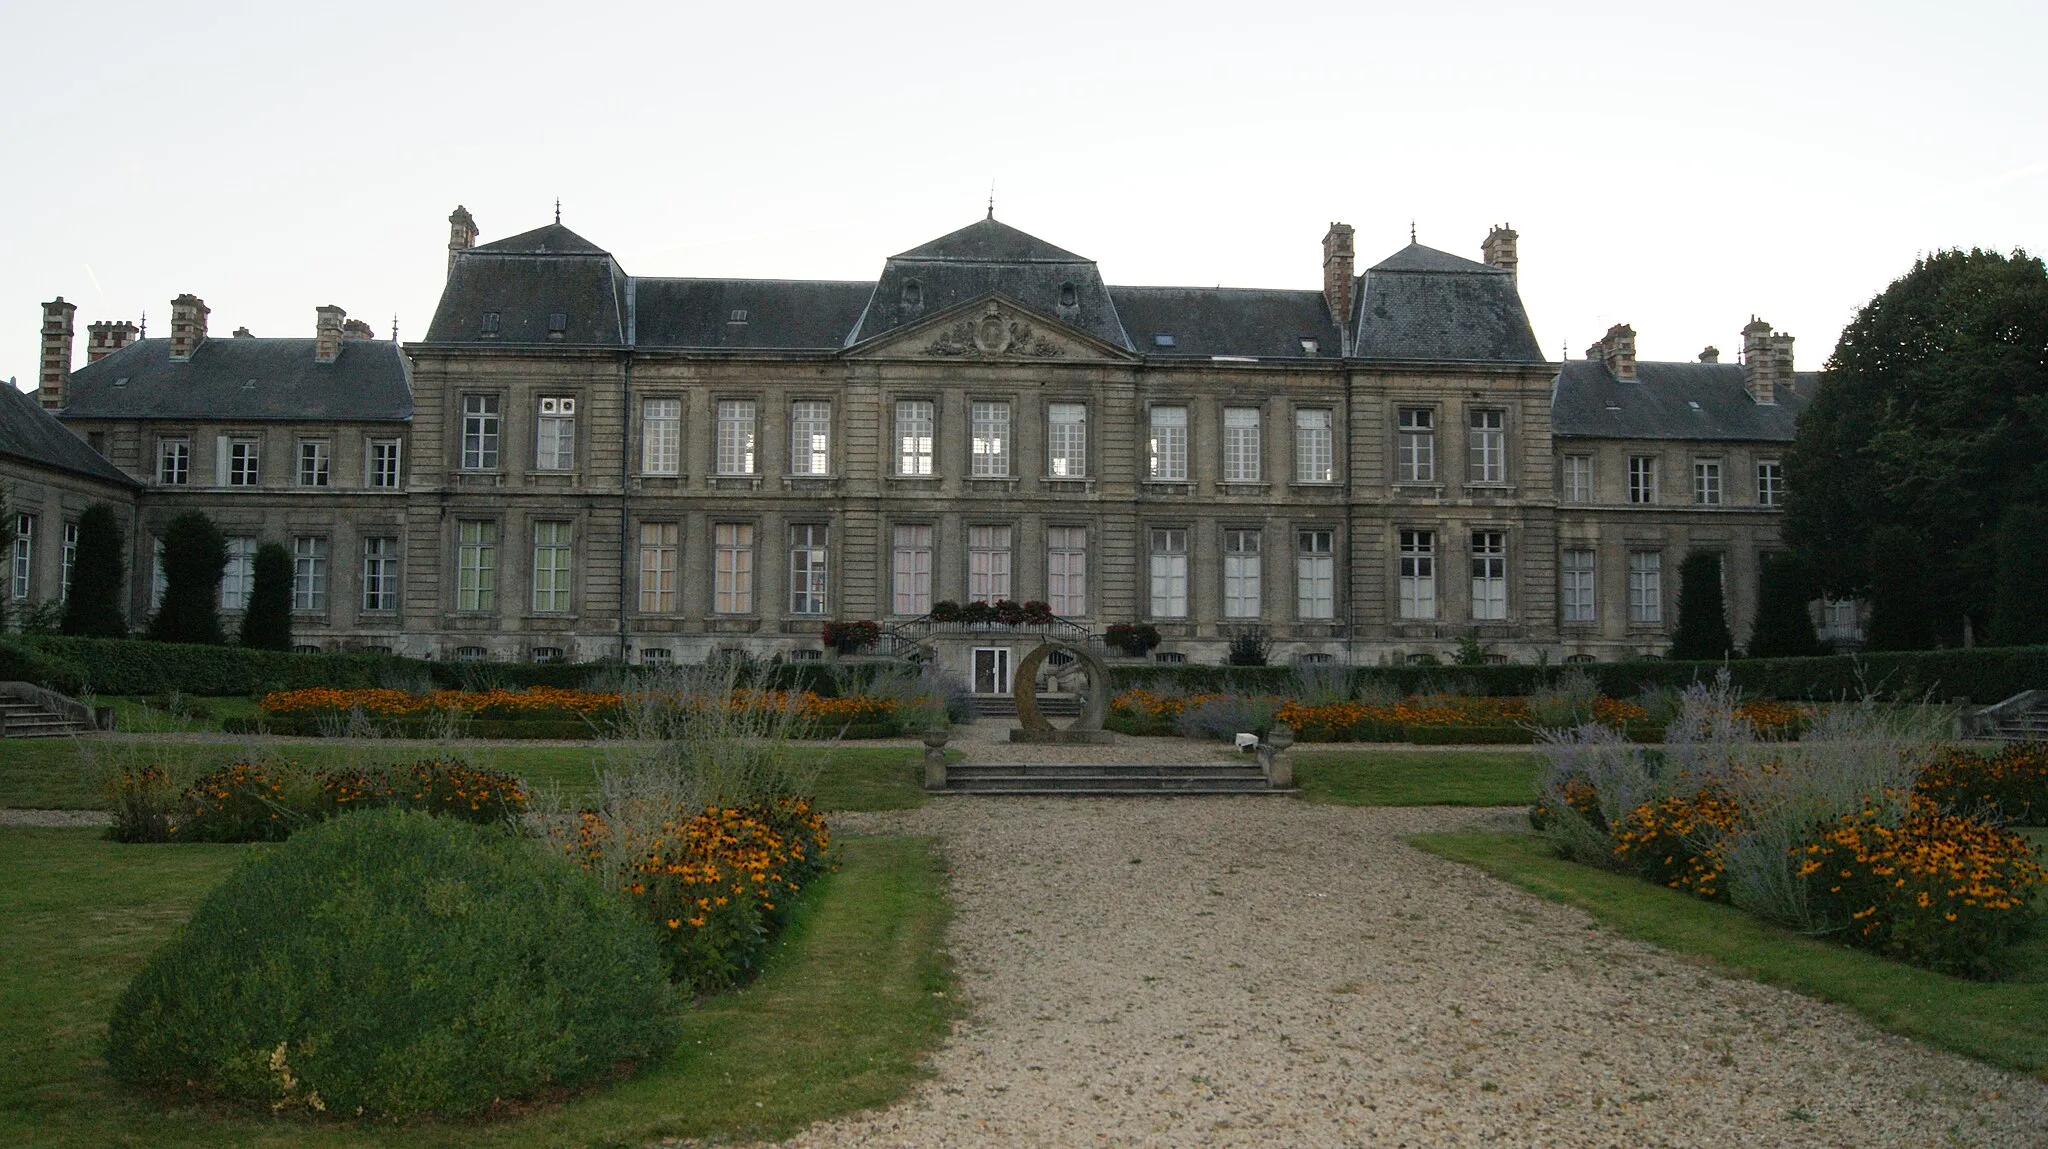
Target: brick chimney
[
  {"x": 327, "y": 333},
  {"x": 1766, "y": 361},
  {"x": 1499, "y": 248},
  {"x": 1339, "y": 282},
  {"x": 1710, "y": 354},
  {"x": 1618, "y": 351},
  {"x": 357, "y": 329},
  {"x": 106, "y": 337},
  {"x": 58, "y": 331},
  {"x": 461, "y": 234},
  {"x": 188, "y": 326}
]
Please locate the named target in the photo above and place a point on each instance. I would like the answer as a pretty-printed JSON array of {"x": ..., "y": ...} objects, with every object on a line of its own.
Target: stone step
[{"x": 22, "y": 720}]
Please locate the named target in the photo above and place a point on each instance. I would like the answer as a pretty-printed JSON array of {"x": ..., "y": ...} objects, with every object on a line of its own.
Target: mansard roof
[
  {"x": 1680, "y": 401},
  {"x": 1231, "y": 321},
  {"x": 554, "y": 239},
  {"x": 989, "y": 257},
  {"x": 747, "y": 314},
  {"x": 1425, "y": 305},
  {"x": 246, "y": 379},
  {"x": 33, "y": 435},
  {"x": 512, "y": 290}
]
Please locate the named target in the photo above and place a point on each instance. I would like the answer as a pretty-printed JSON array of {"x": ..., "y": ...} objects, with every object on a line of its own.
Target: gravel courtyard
[{"x": 1261, "y": 971}]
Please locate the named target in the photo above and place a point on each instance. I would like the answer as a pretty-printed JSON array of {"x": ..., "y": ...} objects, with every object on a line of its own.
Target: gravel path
[{"x": 1256, "y": 971}]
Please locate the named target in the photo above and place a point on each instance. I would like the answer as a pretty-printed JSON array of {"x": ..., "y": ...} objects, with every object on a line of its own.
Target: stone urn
[
  {"x": 935, "y": 740},
  {"x": 1274, "y": 758}
]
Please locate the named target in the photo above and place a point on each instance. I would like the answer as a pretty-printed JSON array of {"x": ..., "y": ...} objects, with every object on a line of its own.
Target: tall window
[
  {"x": 554, "y": 438},
  {"x": 1066, "y": 570},
  {"x": 1706, "y": 482},
  {"x": 476, "y": 566},
  {"x": 658, "y": 543},
  {"x": 380, "y": 573},
  {"x": 1169, "y": 444},
  {"x": 1576, "y": 587},
  {"x": 1314, "y": 451},
  {"x": 1578, "y": 478},
  {"x": 1241, "y": 597},
  {"x": 480, "y": 428},
  {"x": 241, "y": 462},
  {"x": 550, "y": 567},
  {"x": 1169, "y": 573},
  {"x": 382, "y": 463},
  {"x": 1489, "y": 576},
  {"x": 309, "y": 574},
  {"x": 1415, "y": 452},
  {"x": 736, "y": 436},
  {"x": 1645, "y": 587},
  {"x": 1418, "y": 574},
  {"x": 991, "y": 440},
  {"x": 988, "y": 564},
  {"x": 1770, "y": 483},
  {"x": 1642, "y": 478},
  {"x": 174, "y": 462},
  {"x": 1488, "y": 447},
  {"x": 914, "y": 437},
  {"x": 807, "y": 555},
  {"x": 238, "y": 577},
  {"x": 313, "y": 468},
  {"x": 810, "y": 438},
  {"x": 732, "y": 568},
  {"x": 1241, "y": 462},
  {"x": 661, "y": 436},
  {"x": 70, "y": 557},
  {"x": 24, "y": 554},
  {"x": 1066, "y": 440},
  {"x": 913, "y": 570},
  {"x": 1315, "y": 575}
]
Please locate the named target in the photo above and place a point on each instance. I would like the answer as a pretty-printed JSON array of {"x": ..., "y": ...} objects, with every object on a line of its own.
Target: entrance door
[{"x": 991, "y": 670}]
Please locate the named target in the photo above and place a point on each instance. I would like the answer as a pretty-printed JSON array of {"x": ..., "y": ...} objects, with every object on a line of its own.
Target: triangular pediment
[{"x": 991, "y": 328}]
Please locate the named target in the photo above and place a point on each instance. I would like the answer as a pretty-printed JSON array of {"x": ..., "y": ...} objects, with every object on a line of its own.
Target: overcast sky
[{"x": 1674, "y": 171}]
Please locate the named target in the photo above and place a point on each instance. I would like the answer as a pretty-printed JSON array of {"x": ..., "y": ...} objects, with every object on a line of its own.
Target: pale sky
[{"x": 1675, "y": 168}]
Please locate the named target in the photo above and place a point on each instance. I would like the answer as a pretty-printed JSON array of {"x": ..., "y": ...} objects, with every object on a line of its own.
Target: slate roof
[
  {"x": 781, "y": 314},
  {"x": 246, "y": 379},
  {"x": 1425, "y": 305},
  {"x": 988, "y": 257},
  {"x": 554, "y": 239},
  {"x": 1588, "y": 402},
  {"x": 1207, "y": 321},
  {"x": 526, "y": 281},
  {"x": 33, "y": 435}
]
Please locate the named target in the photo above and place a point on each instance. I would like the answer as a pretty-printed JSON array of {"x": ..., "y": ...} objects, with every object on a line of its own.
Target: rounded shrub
[{"x": 390, "y": 964}]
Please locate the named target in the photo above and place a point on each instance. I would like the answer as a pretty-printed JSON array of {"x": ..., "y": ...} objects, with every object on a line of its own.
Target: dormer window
[
  {"x": 1162, "y": 339},
  {"x": 490, "y": 324},
  {"x": 1068, "y": 296},
  {"x": 913, "y": 293},
  {"x": 558, "y": 326},
  {"x": 739, "y": 315},
  {"x": 1311, "y": 346}
]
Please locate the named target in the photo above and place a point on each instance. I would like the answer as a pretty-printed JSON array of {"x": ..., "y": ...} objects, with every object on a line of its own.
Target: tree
[
  {"x": 93, "y": 607},
  {"x": 1702, "y": 617},
  {"x": 195, "y": 553},
  {"x": 1783, "y": 627},
  {"x": 267, "y": 623},
  {"x": 1899, "y": 614},
  {"x": 1933, "y": 412},
  {"x": 2019, "y": 617}
]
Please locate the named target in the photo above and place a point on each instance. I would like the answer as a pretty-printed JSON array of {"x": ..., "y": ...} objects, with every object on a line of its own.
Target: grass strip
[
  {"x": 1417, "y": 778},
  {"x": 855, "y": 995},
  {"x": 68, "y": 774},
  {"x": 2004, "y": 1022}
]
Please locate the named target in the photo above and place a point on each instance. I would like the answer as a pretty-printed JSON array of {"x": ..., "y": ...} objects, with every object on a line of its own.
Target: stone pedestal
[
  {"x": 1274, "y": 759},
  {"x": 935, "y": 759}
]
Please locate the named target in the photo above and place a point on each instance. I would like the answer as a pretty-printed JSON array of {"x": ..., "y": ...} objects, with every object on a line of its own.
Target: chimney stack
[
  {"x": 106, "y": 337},
  {"x": 327, "y": 333},
  {"x": 1499, "y": 248},
  {"x": 1712, "y": 354},
  {"x": 1339, "y": 282},
  {"x": 461, "y": 234},
  {"x": 357, "y": 329},
  {"x": 188, "y": 326},
  {"x": 58, "y": 331},
  {"x": 1618, "y": 351},
  {"x": 1766, "y": 361}
]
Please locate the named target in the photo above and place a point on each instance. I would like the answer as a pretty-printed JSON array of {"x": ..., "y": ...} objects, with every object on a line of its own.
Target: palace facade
[{"x": 580, "y": 463}]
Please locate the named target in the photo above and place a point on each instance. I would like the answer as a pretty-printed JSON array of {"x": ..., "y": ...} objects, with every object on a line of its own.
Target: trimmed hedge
[
  {"x": 558, "y": 729},
  {"x": 138, "y": 666}
]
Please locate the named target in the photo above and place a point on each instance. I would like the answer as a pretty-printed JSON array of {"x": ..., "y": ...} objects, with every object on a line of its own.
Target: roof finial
[
  {"x": 558, "y": 209},
  {"x": 394, "y": 327},
  {"x": 143, "y": 332},
  {"x": 991, "y": 198},
  {"x": 1411, "y": 231}
]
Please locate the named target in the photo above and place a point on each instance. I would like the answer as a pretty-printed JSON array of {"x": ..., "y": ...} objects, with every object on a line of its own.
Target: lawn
[
  {"x": 2005, "y": 1022},
  {"x": 63, "y": 773},
  {"x": 1417, "y": 778},
  {"x": 855, "y": 995}
]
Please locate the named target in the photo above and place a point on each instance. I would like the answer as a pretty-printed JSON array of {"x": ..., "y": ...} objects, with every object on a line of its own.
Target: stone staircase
[
  {"x": 1109, "y": 779},
  {"x": 2021, "y": 718},
  {"x": 30, "y": 712},
  {"x": 1005, "y": 706}
]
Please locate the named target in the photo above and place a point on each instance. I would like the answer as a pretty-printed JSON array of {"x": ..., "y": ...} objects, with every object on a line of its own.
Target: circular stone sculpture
[{"x": 1024, "y": 688}]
